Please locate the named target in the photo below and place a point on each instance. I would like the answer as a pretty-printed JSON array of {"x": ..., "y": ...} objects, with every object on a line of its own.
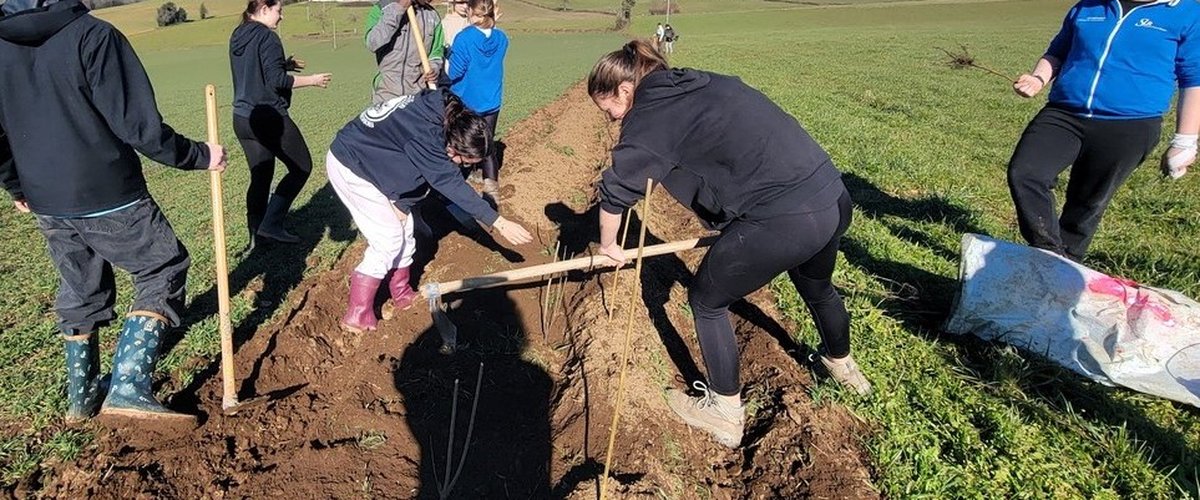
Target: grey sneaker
[
  {"x": 720, "y": 416},
  {"x": 846, "y": 372}
]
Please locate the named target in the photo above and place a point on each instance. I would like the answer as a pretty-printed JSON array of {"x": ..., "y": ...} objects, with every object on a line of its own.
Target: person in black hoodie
[
  {"x": 385, "y": 161},
  {"x": 76, "y": 107},
  {"x": 262, "y": 91},
  {"x": 747, "y": 168}
]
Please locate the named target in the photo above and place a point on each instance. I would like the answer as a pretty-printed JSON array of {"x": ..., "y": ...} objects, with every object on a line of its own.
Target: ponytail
[
  {"x": 485, "y": 9},
  {"x": 631, "y": 63},
  {"x": 466, "y": 131},
  {"x": 253, "y": 6}
]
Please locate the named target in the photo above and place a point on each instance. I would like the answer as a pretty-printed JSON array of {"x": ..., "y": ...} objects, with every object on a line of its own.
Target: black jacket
[
  {"x": 75, "y": 103},
  {"x": 400, "y": 148},
  {"x": 718, "y": 146},
  {"x": 260, "y": 77}
]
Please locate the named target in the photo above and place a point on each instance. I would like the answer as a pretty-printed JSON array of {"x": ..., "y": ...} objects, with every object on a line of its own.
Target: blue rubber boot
[
  {"x": 85, "y": 387},
  {"x": 132, "y": 394}
]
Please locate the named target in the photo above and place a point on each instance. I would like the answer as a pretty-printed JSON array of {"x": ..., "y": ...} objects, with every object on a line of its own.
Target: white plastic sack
[{"x": 1111, "y": 330}]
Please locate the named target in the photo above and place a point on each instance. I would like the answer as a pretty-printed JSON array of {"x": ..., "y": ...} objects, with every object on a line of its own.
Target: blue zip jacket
[
  {"x": 477, "y": 68},
  {"x": 399, "y": 147},
  {"x": 1121, "y": 65}
]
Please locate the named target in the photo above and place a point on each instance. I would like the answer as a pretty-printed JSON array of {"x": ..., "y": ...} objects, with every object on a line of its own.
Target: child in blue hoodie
[
  {"x": 1115, "y": 65},
  {"x": 477, "y": 76}
]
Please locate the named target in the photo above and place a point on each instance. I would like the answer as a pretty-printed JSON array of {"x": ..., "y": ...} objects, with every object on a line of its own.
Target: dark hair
[
  {"x": 634, "y": 61},
  {"x": 253, "y": 6},
  {"x": 466, "y": 131},
  {"x": 485, "y": 9}
]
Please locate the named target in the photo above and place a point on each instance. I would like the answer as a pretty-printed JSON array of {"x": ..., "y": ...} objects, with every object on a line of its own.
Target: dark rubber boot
[
  {"x": 360, "y": 312},
  {"x": 132, "y": 394},
  {"x": 272, "y": 223},
  {"x": 85, "y": 387}
]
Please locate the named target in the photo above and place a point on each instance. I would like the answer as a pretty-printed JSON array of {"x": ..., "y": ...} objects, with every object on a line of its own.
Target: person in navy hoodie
[
  {"x": 76, "y": 108},
  {"x": 386, "y": 160},
  {"x": 476, "y": 75},
  {"x": 1114, "y": 66}
]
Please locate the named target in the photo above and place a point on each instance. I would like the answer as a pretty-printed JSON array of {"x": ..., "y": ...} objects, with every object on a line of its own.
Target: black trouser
[
  {"x": 137, "y": 239},
  {"x": 265, "y": 136},
  {"x": 747, "y": 256},
  {"x": 1101, "y": 153},
  {"x": 489, "y": 165}
]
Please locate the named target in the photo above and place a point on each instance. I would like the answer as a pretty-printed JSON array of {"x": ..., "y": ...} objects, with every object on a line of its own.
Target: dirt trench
[{"x": 369, "y": 415}]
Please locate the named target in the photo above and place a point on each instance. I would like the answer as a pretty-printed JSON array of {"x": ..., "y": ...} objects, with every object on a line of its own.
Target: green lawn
[{"x": 923, "y": 147}]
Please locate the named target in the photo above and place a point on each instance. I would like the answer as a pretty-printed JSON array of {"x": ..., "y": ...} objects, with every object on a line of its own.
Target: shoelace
[{"x": 707, "y": 399}]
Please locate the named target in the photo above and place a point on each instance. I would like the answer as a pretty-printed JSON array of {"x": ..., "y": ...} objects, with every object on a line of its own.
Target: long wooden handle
[
  {"x": 416, "y": 32},
  {"x": 218, "y": 209},
  {"x": 518, "y": 275}
]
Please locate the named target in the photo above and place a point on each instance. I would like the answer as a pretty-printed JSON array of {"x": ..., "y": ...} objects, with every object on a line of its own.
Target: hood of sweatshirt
[
  {"x": 32, "y": 22},
  {"x": 490, "y": 44},
  {"x": 245, "y": 35},
  {"x": 667, "y": 84}
]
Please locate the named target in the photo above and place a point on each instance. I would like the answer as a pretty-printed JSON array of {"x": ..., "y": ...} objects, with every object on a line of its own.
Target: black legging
[
  {"x": 265, "y": 136},
  {"x": 1101, "y": 154},
  {"x": 489, "y": 165},
  {"x": 747, "y": 256}
]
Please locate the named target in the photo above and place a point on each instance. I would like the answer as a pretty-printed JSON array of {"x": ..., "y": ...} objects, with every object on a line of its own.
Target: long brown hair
[
  {"x": 633, "y": 62},
  {"x": 466, "y": 131}
]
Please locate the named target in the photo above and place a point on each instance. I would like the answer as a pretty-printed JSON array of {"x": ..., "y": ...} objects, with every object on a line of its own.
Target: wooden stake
[
  {"x": 617, "y": 272},
  {"x": 612, "y": 430}
]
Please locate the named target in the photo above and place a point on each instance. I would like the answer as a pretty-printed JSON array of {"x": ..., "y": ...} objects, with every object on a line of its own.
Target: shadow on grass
[{"x": 922, "y": 300}]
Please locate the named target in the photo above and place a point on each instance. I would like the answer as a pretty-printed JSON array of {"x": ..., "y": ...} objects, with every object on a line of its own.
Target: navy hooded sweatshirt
[
  {"x": 718, "y": 146},
  {"x": 399, "y": 147},
  {"x": 75, "y": 108},
  {"x": 260, "y": 78}
]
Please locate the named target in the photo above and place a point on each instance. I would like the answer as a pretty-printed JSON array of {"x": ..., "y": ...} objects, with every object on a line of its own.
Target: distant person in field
[
  {"x": 747, "y": 169},
  {"x": 385, "y": 161},
  {"x": 1114, "y": 67},
  {"x": 458, "y": 17},
  {"x": 659, "y": 37},
  {"x": 669, "y": 38},
  {"x": 477, "y": 77},
  {"x": 76, "y": 108},
  {"x": 390, "y": 37},
  {"x": 262, "y": 94}
]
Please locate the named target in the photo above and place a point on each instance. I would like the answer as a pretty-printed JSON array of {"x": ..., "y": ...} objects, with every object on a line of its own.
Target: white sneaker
[
  {"x": 846, "y": 372},
  {"x": 720, "y": 416}
]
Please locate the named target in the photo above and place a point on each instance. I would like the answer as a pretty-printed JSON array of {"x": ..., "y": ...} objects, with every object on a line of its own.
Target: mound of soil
[{"x": 383, "y": 414}]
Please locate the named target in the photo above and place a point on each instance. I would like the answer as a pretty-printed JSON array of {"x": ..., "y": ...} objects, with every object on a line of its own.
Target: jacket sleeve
[
  {"x": 1187, "y": 59},
  {"x": 274, "y": 63},
  {"x": 623, "y": 184},
  {"x": 437, "y": 51},
  {"x": 8, "y": 170},
  {"x": 446, "y": 178},
  {"x": 1060, "y": 46},
  {"x": 122, "y": 93},
  {"x": 459, "y": 57},
  {"x": 384, "y": 30}
]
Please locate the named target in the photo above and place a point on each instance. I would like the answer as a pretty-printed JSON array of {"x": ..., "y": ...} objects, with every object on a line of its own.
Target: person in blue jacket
[
  {"x": 476, "y": 74},
  {"x": 385, "y": 161},
  {"x": 1114, "y": 66}
]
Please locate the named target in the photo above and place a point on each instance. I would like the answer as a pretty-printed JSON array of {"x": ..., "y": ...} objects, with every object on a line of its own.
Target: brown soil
[{"x": 370, "y": 414}]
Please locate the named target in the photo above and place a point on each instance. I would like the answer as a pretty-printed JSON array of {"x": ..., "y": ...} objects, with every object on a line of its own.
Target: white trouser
[{"x": 390, "y": 240}]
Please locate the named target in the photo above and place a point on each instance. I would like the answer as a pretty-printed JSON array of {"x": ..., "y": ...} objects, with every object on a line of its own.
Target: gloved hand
[{"x": 1180, "y": 156}]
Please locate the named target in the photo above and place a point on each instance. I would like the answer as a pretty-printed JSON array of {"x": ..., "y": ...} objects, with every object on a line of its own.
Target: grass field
[{"x": 923, "y": 147}]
